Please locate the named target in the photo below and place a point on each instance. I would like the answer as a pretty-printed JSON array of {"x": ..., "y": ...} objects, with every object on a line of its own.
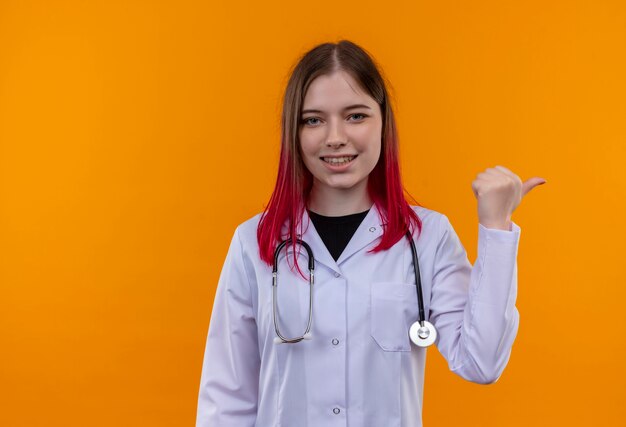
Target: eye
[
  {"x": 358, "y": 114},
  {"x": 306, "y": 121}
]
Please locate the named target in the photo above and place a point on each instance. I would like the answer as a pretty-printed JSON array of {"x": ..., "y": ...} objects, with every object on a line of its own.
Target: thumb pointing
[{"x": 531, "y": 183}]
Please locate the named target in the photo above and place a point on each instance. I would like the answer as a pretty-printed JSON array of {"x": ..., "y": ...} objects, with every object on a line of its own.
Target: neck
[{"x": 330, "y": 201}]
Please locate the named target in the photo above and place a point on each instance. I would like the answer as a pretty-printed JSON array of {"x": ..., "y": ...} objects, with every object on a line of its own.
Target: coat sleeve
[
  {"x": 473, "y": 307},
  {"x": 230, "y": 371}
]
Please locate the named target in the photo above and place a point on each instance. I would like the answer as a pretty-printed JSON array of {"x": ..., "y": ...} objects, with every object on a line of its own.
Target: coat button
[
  {"x": 336, "y": 410},
  {"x": 337, "y": 274},
  {"x": 335, "y": 341},
  {"x": 372, "y": 229}
]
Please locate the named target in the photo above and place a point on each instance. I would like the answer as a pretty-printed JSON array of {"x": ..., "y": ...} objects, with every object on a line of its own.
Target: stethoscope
[{"x": 422, "y": 332}]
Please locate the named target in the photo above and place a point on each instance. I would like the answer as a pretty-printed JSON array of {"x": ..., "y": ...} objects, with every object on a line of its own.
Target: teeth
[{"x": 338, "y": 160}]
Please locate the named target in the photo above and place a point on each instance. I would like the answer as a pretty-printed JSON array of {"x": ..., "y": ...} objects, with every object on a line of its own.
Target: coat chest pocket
[{"x": 393, "y": 309}]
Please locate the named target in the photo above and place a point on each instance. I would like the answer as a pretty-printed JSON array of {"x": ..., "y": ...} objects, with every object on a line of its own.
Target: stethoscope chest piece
[{"x": 423, "y": 336}]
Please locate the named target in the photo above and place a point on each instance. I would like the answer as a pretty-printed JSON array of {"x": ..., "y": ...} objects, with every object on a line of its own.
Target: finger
[
  {"x": 493, "y": 172},
  {"x": 506, "y": 171},
  {"x": 531, "y": 183},
  {"x": 501, "y": 176},
  {"x": 510, "y": 174},
  {"x": 502, "y": 171}
]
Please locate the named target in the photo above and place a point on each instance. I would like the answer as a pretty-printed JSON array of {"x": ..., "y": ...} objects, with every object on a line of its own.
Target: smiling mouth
[{"x": 338, "y": 161}]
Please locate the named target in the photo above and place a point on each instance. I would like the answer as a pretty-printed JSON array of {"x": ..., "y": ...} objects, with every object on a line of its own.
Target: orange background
[{"x": 135, "y": 137}]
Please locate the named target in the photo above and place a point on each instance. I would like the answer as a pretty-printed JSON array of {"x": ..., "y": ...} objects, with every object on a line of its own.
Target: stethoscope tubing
[
  {"x": 422, "y": 332},
  {"x": 418, "y": 280},
  {"x": 307, "y": 333}
]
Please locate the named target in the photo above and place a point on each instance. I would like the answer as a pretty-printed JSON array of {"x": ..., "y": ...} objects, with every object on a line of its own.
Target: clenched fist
[{"x": 499, "y": 191}]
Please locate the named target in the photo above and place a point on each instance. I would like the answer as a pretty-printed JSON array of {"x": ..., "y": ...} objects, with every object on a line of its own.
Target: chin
[{"x": 342, "y": 185}]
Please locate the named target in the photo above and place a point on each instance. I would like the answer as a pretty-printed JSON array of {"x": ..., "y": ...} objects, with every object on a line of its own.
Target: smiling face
[{"x": 340, "y": 134}]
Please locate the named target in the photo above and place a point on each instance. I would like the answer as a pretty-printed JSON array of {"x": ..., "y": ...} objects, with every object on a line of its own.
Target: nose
[
  {"x": 335, "y": 144},
  {"x": 336, "y": 136}
]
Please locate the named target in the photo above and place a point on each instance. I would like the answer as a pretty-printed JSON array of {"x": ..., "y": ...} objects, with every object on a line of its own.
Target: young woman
[{"x": 340, "y": 348}]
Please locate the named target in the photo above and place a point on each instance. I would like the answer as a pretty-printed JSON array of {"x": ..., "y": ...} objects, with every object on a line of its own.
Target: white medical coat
[{"x": 360, "y": 369}]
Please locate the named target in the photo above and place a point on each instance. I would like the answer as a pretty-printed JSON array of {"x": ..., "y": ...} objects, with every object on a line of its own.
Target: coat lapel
[
  {"x": 368, "y": 231},
  {"x": 309, "y": 234},
  {"x": 312, "y": 237}
]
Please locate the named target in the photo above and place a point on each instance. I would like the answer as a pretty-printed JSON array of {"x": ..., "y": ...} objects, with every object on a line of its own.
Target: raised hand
[{"x": 499, "y": 191}]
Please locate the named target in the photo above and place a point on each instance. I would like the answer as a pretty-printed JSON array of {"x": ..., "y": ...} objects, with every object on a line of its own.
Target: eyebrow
[{"x": 349, "y": 107}]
